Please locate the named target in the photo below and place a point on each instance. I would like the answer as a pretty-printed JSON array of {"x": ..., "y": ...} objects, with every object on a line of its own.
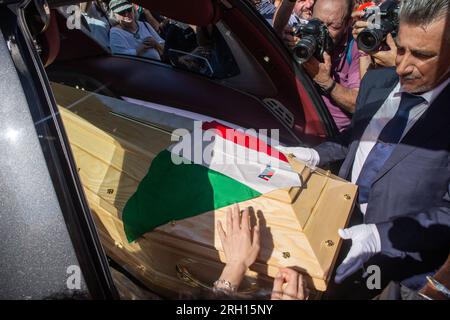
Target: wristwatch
[
  {"x": 223, "y": 285},
  {"x": 330, "y": 89}
]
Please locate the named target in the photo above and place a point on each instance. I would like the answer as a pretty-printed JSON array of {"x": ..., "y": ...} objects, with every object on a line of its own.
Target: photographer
[
  {"x": 385, "y": 57},
  {"x": 397, "y": 151},
  {"x": 338, "y": 75},
  {"x": 290, "y": 13}
]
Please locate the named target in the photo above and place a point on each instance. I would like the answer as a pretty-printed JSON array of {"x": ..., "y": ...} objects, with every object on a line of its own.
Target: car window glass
[
  {"x": 201, "y": 50},
  {"x": 113, "y": 142}
]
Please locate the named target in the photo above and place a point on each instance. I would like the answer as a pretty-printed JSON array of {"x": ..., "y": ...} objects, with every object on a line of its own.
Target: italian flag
[{"x": 182, "y": 182}]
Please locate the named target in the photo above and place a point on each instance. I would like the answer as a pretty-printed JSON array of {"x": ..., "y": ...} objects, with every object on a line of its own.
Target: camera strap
[{"x": 349, "y": 51}]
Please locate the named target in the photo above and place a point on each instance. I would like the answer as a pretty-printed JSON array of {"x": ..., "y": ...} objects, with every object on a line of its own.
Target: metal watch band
[{"x": 224, "y": 285}]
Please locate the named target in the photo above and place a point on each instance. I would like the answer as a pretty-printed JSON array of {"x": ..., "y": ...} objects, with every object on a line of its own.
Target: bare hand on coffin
[
  {"x": 365, "y": 244},
  {"x": 240, "y": 244}
]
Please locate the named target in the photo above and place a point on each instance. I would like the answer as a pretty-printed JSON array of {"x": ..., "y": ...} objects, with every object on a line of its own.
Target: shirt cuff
[
  {"x": 383, "y": 233},
  {"x": 377, "y": 238}
]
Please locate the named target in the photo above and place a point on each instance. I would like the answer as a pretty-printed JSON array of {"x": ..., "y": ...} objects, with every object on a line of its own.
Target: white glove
[
  {"x": 365, "y": 244},
  {"x": 308, "y": 155}
]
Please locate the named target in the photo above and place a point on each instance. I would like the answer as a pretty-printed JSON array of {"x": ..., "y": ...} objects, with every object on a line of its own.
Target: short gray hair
[{"x": 423, "y": 12}]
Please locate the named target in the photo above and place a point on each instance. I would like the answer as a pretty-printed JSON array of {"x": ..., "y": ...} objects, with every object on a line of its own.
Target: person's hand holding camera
[
  {"x": 320, "y": 72},
  {"x": 384, "y": 57},
  {"x": 288, "y": 38},
  {"x": 358, "y": 24}
]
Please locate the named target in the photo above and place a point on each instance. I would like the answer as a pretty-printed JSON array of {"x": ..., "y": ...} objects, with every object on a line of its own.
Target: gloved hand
[
  {"x": 308, "y": 155},
  {"x": 365, "y": 244}
]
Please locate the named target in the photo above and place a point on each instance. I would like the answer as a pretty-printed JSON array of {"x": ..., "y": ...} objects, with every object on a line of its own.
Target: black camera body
[
  {"x": 314, "y": 41},
  {"x": 371, "y": 39}
]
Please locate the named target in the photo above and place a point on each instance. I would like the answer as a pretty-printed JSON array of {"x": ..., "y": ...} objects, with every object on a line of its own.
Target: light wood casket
[{"x": 113, "y": 153}]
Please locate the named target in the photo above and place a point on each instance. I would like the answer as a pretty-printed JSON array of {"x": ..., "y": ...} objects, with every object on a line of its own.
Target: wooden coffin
[{"x": 113, "y": 153}]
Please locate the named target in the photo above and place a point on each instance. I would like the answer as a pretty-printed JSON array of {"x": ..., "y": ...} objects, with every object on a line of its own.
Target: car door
[{"x": 50, "y": 249}]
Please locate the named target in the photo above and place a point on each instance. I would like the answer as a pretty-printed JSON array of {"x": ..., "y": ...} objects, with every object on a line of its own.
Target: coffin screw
[{"x": 329, "y": 243}]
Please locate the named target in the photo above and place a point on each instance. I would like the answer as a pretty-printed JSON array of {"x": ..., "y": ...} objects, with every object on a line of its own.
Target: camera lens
[
  {"x": 369, "y": 40},
  {"x": 305, "y": 49}
]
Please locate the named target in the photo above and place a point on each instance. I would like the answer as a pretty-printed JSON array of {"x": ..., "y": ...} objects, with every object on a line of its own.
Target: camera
[
  {"x": 370, "y": 39},
  {"x": 314, "y": 41}
]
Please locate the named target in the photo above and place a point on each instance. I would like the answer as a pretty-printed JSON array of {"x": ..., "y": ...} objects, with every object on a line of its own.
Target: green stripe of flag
[{"x": 174, "y": 192}]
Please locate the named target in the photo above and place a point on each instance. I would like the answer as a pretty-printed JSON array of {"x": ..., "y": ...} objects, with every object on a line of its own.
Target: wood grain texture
[{"x": 113, "y": 154}]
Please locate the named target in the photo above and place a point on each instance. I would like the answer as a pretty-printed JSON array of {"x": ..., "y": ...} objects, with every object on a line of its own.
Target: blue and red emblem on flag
[{"x": 267, "y": 174}]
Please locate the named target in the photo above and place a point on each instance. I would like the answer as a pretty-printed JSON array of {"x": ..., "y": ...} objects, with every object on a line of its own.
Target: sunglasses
[{"x": 125, "y": 11}]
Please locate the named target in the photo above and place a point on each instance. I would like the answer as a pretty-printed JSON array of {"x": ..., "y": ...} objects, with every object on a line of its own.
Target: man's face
[
  {"x": 335, "y": 18},
  {"x": 423, "y": 56},
  {"x": 303, "y": 9},
  {"x": 125, "y": 17}
]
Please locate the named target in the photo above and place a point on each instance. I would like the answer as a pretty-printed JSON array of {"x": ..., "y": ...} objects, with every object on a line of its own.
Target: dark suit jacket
[{"x": 410, "y": 199}]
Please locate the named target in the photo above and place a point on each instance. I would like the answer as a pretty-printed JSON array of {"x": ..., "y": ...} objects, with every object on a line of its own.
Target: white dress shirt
[{"x": 382, "y": 117}]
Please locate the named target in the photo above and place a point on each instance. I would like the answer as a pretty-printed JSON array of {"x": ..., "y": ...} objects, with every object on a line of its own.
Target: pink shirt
[{"x": 346, "y": 74}]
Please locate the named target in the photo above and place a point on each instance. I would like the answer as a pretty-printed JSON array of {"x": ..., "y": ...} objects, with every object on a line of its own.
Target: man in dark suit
[{"x": 397, "y": 151}]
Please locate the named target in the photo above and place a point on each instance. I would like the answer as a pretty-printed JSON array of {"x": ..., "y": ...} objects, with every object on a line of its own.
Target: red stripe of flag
[{"x": 242, "y": 139}]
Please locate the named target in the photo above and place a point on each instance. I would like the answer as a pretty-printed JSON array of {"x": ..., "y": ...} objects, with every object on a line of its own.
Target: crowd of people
[
  {"x": 129, "y": 29},
  {"x": 391, "y": 107},
  {"x": 125, "y": 28},
  {"x": 339, "y": 75}
]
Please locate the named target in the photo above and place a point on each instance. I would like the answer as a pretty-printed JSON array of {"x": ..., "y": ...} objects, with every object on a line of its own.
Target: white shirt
[
  {"x": 382, "y": 117},
  {"x": 124, "y": 42},
  {"x": 267, "y": 9},
  {"x": 294, "y": 20}
]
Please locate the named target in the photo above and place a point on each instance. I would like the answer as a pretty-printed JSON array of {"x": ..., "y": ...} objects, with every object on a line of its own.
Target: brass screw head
[
  {"x": 286, "y": 255},
  {"x": 347, "y": 196},
  {"x": 329, "y": 243},
  {"x": 142, "y": 268}
]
